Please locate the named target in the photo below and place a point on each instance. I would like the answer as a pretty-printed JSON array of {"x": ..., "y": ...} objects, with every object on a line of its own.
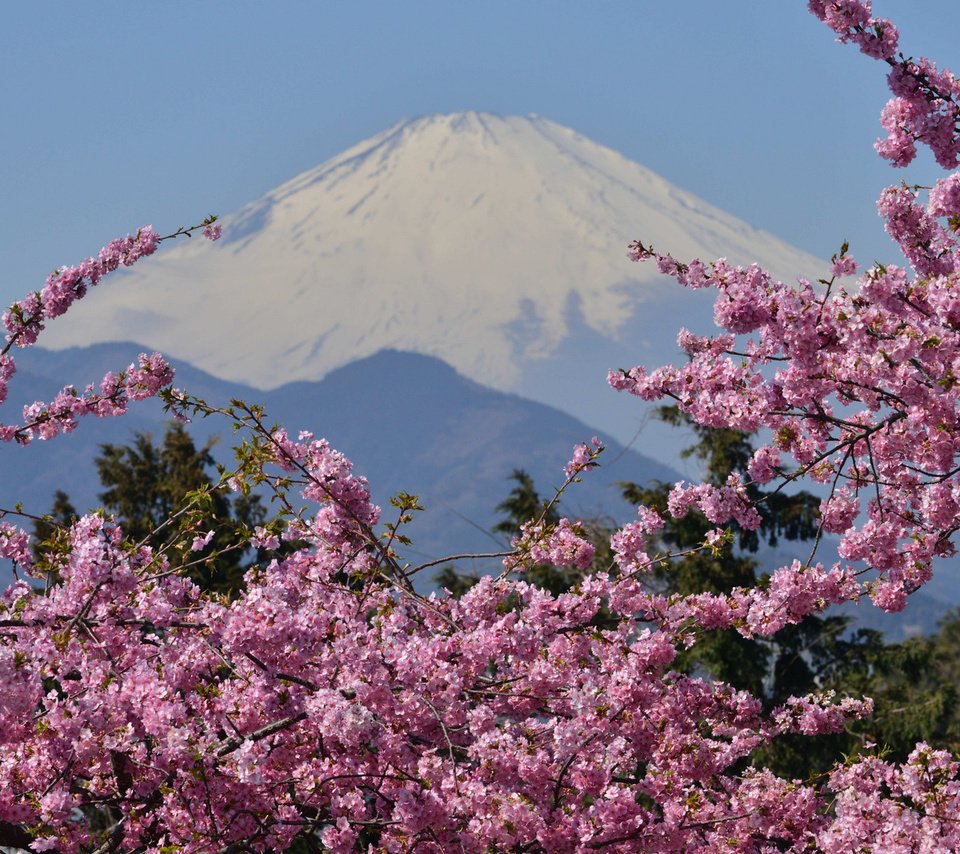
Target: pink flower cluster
[
  {"x": 24, "y": 320},
  {"x": 819, "y": 714},
  {"x": 857, "y": 385},
  {"x": 792, "y": 594},
  {"x": 45, "y": 420},
  {"x": 896, "y": 808},
  {"x": 584, "y": 457},
  {"x": 718, "y": 504},
  {"x": 853, "y": 20},
  {"x": 630, "y": 543},
  {"x": 329, "y": 481},
  {"x": 560, "y": 545},
  {"x": 15, "y": 545},
  {"x": 499, "y": 720},
  {"x": 926, "y": 103}
]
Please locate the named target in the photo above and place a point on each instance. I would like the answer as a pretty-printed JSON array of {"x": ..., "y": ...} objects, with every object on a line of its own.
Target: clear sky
[{"x": 117, "y": 114}]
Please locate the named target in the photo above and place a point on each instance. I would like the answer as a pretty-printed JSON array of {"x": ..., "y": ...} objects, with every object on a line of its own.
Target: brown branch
[
  {"x": 283, "y": 677},
  {"x": 452, "y": 558},
  {"x": 258, "y": 735},
  {"x": 450, "y": 748}
]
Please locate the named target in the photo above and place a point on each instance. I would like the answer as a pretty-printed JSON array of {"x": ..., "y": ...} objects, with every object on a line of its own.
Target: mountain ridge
[
  {"x": 407, "y": 421},
  {"x": 490, "y": 242}
]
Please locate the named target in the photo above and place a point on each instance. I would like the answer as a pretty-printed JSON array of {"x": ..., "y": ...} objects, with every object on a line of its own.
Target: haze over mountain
[{"x": 495, "y": 243}]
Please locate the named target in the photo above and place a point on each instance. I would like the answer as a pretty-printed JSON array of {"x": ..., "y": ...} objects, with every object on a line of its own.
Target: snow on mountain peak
[{"x": 470, "y": 236}]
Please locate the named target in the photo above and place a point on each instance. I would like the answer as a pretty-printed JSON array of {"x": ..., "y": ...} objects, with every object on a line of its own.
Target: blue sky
[{"x": 118, "y": 114}]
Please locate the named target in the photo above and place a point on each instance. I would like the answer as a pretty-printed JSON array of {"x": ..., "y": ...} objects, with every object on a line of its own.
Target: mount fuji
[{"x": 494, "y": 243}]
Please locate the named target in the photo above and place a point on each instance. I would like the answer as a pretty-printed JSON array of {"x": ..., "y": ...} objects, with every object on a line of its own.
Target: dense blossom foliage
[{"x": 333, "y": 704}]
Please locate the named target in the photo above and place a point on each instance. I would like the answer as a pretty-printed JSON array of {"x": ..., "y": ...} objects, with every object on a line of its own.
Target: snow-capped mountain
[{"x": 495, "y": 243}]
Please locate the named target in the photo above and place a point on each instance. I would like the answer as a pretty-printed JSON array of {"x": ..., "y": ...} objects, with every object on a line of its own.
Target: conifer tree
[{"x": 160, "y": 493}]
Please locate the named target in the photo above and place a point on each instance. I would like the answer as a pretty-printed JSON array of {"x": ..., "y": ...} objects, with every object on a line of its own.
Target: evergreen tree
[
  {"x": 914, "y": 683},
  {"x": 158, "y": 493},
  {"x": 49, "y": 533},
  {"x": 523, "y": 505},
  {"x": 727, "y": 655}
]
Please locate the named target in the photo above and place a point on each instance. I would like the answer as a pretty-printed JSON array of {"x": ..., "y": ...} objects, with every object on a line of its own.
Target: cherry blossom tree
[{"x": 333, "y": 707}]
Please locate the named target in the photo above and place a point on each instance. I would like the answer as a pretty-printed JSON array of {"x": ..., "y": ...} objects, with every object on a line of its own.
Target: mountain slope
[
  {"x": 408, "y": 422},
  {"x": 494, "y": 243}
]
